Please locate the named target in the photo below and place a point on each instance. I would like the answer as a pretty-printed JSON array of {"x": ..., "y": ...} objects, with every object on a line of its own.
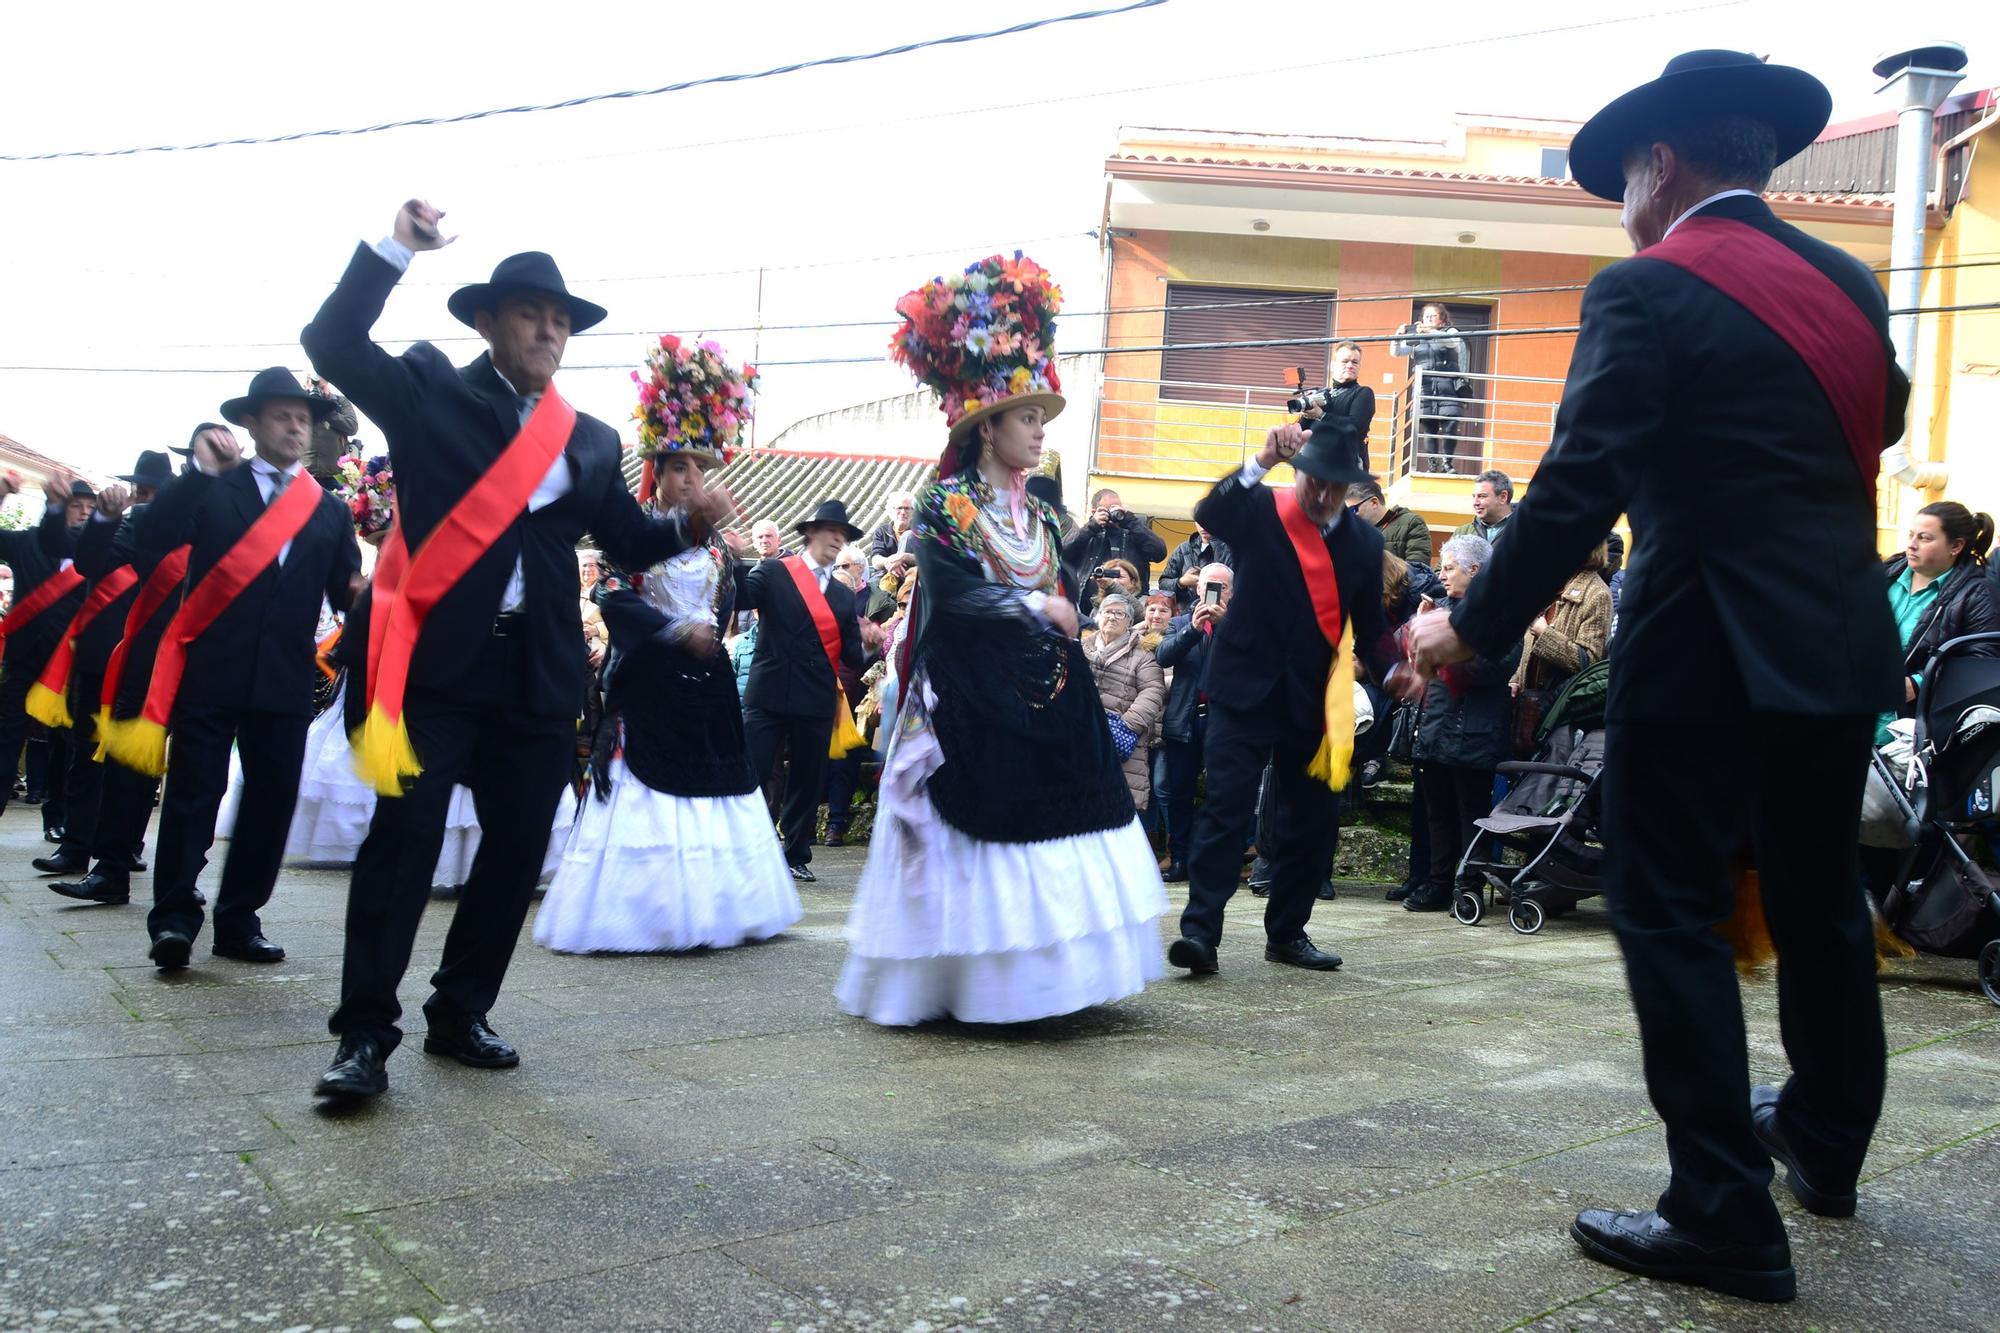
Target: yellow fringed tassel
[
  {"x": 1889, "y": 946},
  {"x": 1335, "y": 759},
  {"x": 104, "y": 726},
  {"x": 1748, "y": 933},
  {"x": 140, "y": 745},
  {"x": 845, "y": 735},
  {"x": 47, "y": 707},
  {"x": 383, "y": 755}
]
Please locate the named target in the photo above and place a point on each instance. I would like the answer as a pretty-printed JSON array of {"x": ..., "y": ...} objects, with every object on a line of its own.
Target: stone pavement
[{"x": 705, "y": 1142}]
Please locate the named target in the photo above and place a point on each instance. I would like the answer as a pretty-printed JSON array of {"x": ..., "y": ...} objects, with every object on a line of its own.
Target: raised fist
[
  {"x": 216, "y": 450},
  {"x": 112, "y": 500},
  {"x": 417, "y": 226}
]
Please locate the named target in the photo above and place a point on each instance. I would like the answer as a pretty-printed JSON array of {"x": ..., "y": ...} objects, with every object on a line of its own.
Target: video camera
[{"x": 1304, "y": 400}]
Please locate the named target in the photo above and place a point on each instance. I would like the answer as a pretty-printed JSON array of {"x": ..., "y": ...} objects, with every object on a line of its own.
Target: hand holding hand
[
  {"x": 700, "y": 641},
  {"x": 417, "y": 226},
  {"x": 735, "y": 541},
  {"x": 871, "y": 636},
  {"x": 10, "y": 483},
  {"x": 57, "y": 486},
  {"x": 1434, "y": 643},
  {"x": 216, "y": 450},
  {"x": 1281, "y": 445},
  {"x": 113, "y": 500},
  {"x": 715, "y": 504},
  {"x": 1061, "y": 613}
]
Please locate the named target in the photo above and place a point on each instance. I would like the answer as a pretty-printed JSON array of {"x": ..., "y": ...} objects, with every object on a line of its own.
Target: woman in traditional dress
[
  {"x": 673, "y": 849},
  {"x": 1008, "y": 878}
]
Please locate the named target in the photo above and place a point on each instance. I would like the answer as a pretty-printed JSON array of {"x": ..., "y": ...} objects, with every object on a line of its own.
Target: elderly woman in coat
[
  {"x": 1462, "y": 734},
  {"x": 1131, "y": 684},
  {"x": 1567, "y": 638}
]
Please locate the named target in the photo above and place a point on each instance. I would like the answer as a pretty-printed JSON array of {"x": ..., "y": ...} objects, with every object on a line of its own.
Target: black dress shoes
[
  {"x": 804, "y": 874},
  {"x": 1424, "y": 900},
  {"x": 1301, "y": 952},
  {"x": 1400, "y": 892},
  {"x": 1764, "y": 1120},
  {"x": 359, "y": 1070},
  {"x": 1193, "y": 955},
  {"x": 170, "y": 950},
  {"x": 1326, "y": 893},
  {"x": 474, "y": 1044},
  {"x": 255, "y": 949},
  {"x": 64, "y": 862},
  {"x": 1649, "y": 1245},
  {"x": 96, "y": 887},
  {"x": 1175, "y": 873}
]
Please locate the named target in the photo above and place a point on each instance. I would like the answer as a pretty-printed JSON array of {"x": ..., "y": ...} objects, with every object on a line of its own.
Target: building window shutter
[{"x": 1229, "y": 315}]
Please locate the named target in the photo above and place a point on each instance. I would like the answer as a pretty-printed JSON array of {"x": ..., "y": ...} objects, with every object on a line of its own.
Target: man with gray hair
[
  {"x": 1708, "y": 662},
  {"x": 886, "y": 553},
  {"x": 1492, "y": 506}
]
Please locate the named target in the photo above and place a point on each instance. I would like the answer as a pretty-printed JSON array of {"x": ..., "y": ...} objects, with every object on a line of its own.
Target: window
[
  {"x": 1555, "y": 164},
  {"x": 1241, "y": 314}
]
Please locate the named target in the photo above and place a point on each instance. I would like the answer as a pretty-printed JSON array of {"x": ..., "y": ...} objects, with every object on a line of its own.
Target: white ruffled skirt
[
  {"x": 646, "y": 872},
  {"x": 335, "y": 805},
  {"x": 947, "y": 925}
]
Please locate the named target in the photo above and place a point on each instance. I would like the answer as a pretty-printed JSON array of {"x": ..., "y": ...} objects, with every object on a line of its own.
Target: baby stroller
[
  {"x": 1539, "y": 851},
  {"x": 1940, "y": 900}
]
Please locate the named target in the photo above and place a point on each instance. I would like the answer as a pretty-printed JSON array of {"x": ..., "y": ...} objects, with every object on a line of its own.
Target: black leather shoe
[
  {"x": 1193, "y": 955},
  {"x": 1326, "y": 893},
  {"x": 1175, "y": 873},
  {"x": 96, "y": 887},
  {"x": 475, "y": 1044},
  {"x": 64, "y": 862},
  {"x": 804, "y": 874},
  {"x": 54, "y": 835},
  {"x": 358, "y": 1071},
  {"x": 256, "y": 949},
  {"x": 1764, "y": 1120},
  {"x": 1400, "y": 892},
  {"x": 835, "y": 838},
  {"x": 1260, "y": 888},
  {"x": 1301, "y": 952},
  {"x": 1424, "y": 900},
  {"x": 1649, "y": 1245},
  {"x": 170, "y": 950}
]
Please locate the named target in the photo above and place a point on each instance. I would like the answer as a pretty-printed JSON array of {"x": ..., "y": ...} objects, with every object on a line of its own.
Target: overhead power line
[{"x": 628, "y": 94}]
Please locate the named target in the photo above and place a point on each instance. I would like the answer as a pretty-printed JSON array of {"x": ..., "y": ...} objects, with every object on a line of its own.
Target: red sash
[
  {"x": 52, "y": 590},
  {"x": 1336, "y": 748},
  {"x": 48, "y": 697},
  {"x": 406, "y": 587},
  {"x": 162, "y": 583},
  {"x": 1808, "y": 312},
  {"x": 141, "y": 744},
  {"x": 845, "y": 736}
]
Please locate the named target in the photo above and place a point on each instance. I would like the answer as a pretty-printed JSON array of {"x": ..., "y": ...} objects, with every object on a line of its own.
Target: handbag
[
  {"x": 1123, "y": 738},
  {"x": 1403, "y": 732}
]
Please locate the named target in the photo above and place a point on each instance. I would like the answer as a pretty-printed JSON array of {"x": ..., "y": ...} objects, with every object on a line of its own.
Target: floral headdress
[
  {"x": 982, "y": 340},
  {"x": 368, "y": 489},
  {"x": 691, "y": 402}
]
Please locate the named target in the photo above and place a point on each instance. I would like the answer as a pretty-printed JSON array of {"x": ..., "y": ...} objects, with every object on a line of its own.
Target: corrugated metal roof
[
  {"x": 1469, "y": 178},
  {"x": 786, "y": 485},
  {"x": 1864, "y": 163}
]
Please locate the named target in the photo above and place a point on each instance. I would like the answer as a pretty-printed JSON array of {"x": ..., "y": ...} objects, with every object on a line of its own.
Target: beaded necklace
[{"x": 1020, "y": 561}]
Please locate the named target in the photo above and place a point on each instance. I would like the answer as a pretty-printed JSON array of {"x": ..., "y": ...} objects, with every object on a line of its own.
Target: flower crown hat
[
  {"x": 983, "y": 341},
  {"x": 692, "y": 404}
]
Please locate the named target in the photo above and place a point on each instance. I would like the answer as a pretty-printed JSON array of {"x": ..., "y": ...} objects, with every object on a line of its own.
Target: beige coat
[
  {"x": 1582, "y": 619},
  {"x": 1130, "y": 682}
]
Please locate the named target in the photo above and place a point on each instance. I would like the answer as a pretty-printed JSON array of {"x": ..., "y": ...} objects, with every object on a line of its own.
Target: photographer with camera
[
  {"x": 1111, "y": 533},
  {"x": 1113, "y": 576},
  {"x": 1435, "y": 348},
  {"x": 1344, "y": 397}
]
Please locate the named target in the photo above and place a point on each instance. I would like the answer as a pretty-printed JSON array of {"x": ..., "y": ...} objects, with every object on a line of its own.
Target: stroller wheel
[
  {"x": 1989, "y": 970},
  {"x": 1467, "y": 907},
  {"x": 1526, "y": 916}
]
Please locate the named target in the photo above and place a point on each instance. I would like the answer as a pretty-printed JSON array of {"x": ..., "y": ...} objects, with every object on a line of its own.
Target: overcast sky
[{"x": 662, "y": 209}]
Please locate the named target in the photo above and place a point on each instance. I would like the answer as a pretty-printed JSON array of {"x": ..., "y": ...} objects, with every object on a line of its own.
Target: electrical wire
[{"x": 684, "y": 85}]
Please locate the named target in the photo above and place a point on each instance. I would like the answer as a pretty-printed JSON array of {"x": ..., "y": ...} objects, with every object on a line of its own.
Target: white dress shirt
[
  {"x": 1721, "y": 194},
  {"x": 271, "y": 481},
  {"x": 557, "y": 482}
]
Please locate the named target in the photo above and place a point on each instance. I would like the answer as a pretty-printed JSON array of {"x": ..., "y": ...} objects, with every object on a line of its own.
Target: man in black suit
[
  {"x": 496, "y": 677},
  {"x": 90, "y": 547},
  {"x": 1669, "y": 368},
  {"x": 248, "y": 678},
  {"x": 792, "y": 700},
  {"x": 1266, "y": 679},
  {"x": 116, "y": 837},
  {"x": 30, "y": 641}
]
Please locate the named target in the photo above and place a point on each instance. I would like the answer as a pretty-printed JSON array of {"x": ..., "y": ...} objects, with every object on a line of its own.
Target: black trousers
[
  {"x": 843, "y": 779},
  {"x": 1184, "y": 760},
  {"x": 516, "y": 765},
  {"x": 1673, "y": 820},
  {"x": 15, "y": 680},
  {"x": 83, "y": 778},
  {"x": 805, "y": 738},
  {"x": 1305, "y": 820},
  {"x": 122, "y": 812},
  {"x": 48, "y": 761},
  {"x": 1454, "y": 796},
  {"x": 273, "y": 748}
]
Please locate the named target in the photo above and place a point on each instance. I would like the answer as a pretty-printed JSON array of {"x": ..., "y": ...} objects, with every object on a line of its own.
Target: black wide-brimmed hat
[
  {"x": 276, "y": 382},
  {"x": 1698, "y": 84},
  {"x": 530, "y": 273},
  {"x": 830, "y": 513},
  {"x": 1332, "y": 453},
  {"x": 153, "y": 469}
]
